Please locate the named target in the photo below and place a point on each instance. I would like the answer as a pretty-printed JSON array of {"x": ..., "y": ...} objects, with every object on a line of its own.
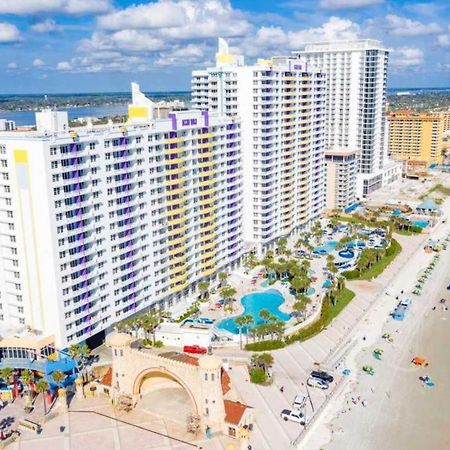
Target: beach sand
[{"x": 400, "y": 412}]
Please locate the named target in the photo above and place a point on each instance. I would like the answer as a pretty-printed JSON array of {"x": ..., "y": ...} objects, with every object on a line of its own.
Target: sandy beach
[{"x": 399, "y": 412}]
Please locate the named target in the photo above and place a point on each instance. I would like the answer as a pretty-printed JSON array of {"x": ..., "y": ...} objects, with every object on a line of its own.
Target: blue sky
[{"x": 51, "y": 46}]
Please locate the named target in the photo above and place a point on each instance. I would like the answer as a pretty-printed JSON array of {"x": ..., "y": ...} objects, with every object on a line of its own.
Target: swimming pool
[
  {"x": 326, "y": 248},
  {"x": 420, "y": 223},
  {"x": 253, "y": 303},
  {"x": 346, "y": 253},
  {"x": 354, "y": 244},
  {"x": 327, "y": 283}
]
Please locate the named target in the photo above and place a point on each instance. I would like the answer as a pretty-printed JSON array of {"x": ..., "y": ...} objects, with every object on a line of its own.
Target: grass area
[
  {"x": 258, "y": 376},
  {"x": 381, "y": 223},
  {"x": 265, "y": 345},
  {"x": 327, "y": 314},
  {"x": 408, "y": 232},
  {"x": 377, "y": 268}
]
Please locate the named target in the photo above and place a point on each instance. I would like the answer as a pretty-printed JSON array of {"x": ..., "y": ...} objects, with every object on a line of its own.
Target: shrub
[
  {"x": 159, "y": 344},
  {"x": 265, "y": 345},
  {"x": 194, "y": 309},
  {"x": 147, "y": 342},
  {"x": 257, "y": 375}
]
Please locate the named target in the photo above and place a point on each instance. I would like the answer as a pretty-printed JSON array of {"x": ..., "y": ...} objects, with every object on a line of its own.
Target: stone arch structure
[
  {"x": 167, "y": 374},
  {"x": 199, "y": 376}
]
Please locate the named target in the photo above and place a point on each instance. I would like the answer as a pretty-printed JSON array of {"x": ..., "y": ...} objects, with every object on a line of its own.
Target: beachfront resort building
[
  {"x": 98, "y": 223},
  {"x": 356, "y": 105},
  {"x": 417, "y": 137},
  {"x": 281, "y": 105},
  {"x": 341, "y": 169}
]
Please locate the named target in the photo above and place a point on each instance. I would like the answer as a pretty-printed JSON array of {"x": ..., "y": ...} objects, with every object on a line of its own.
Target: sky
[{"x": 69, "y": 46}]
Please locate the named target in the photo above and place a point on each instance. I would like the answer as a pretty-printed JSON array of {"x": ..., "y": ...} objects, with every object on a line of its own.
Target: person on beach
[{"x": 282, "y": 389}]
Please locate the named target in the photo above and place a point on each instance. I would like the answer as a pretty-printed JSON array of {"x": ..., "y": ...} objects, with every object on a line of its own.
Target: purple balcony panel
[
  {"x": 205, "y": 115},
  {"x": 173, "y": 118}
]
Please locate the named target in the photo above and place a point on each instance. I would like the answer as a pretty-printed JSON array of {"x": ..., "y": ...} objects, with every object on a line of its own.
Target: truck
[
  {"x": 195, "y": 349},
  {"x": 293, "y": 415}
]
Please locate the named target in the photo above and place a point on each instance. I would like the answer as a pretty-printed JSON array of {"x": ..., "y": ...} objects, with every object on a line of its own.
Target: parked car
[
  {"x": 325, "y": 376},
  {"x": 318, "y": 383},
  {"x": 195, "y": 349},
  {"x": 299, "y": 401},
  {"x": 294, "y": 416}
]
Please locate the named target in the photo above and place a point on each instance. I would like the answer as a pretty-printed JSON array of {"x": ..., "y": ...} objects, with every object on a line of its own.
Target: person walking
[{"x": 282, "y": 389}]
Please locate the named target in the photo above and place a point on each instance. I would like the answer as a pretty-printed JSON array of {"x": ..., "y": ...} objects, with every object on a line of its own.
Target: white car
[
  {"x": 299, "y": 401},
  {"x": 317, "y": 382},
  {"x": 294, "y": 416}
]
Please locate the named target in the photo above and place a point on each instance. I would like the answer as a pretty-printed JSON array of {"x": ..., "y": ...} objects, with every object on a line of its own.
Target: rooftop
[
  {"x": 180, "y": 357},
  {"x": 234, "y": 411}
]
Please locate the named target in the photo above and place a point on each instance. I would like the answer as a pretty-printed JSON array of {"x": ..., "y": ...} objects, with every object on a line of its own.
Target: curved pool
[
  {"x": 346, "y": 253},
  {"x": 253, "y": 303},
  {"x": 326, "y": 248}
]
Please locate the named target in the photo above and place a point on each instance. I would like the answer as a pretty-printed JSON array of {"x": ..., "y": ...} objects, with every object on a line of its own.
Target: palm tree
[
  {"x": 263, "y": 360},
  {"x": 26, "y": 376},
  {"x": 203, "y": 287},
  {"x": 41, "y": 388},
  {"x": 265, "y": 315},
  {"x": 80, "y": 353},
  {"x": 222, "y": 278},
  {"x": 248, "y": 321},
  {"x": 58, "y": 377},
  {"x": 149, "y": 322},
  {"x": 240, "y": 321},
  {"x": 7, "y": 373},
  {"x": 228, "y": 292}
]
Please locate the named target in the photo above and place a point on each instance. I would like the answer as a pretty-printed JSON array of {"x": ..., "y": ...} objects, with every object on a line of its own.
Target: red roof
[
  {"x": 181, "y": 357},
  {"x": 234, "y": 411},
  {"x": 107, "y": 378}
]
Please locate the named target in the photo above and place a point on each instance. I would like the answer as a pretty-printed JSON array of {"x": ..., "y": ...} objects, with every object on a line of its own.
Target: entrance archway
[{"x": 162, "y": 393}]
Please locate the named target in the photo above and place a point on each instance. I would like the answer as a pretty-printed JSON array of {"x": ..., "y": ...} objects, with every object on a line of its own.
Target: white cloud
[
  {"x": 402, "y": 26},
  {"x": 63, "y": 66},
  {"x": 185, "y": 19},
  {"x": 38, "y": 62},
  {"x": 12, "y": 66},
  {"x": 189, "y": 54},
  {"x": 46, "y": 26},
  {"x": 29, "y": 7},
  {"x": 347, "y": 4},
  {"x": 407, "y": 57},
  {"x": 9, "y": 33},
  {"x": 443, "y": 40},
  {"x": 275, "y": 40}
]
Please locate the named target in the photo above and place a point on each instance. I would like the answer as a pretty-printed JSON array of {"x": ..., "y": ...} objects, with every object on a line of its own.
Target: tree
[
  {"x": 222, "y": 277},
  {"x": 41, "y": 388},
  {"x": 149, "y": 322},
  {"x": 281, "y": 245},
  {"x": 228, "y": 292},
  {"x": 58, "y": 377},
  {"x": 240, "y": 321},
  {"x": 203, "y": 287},
  {"x": 27, "y": 377},
  {"x": 248, "y": 321},
  {"x": 262, "y": 360},
  {"x": 80, "y": 353},
  {"x": 265, "y": 315},
  {"x": 7, "y": 374}
]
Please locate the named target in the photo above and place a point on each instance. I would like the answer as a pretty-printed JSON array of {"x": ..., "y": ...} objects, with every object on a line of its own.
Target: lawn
[
  {"x": 376, "y": 269},
  {"x": 328, "y": 313}
]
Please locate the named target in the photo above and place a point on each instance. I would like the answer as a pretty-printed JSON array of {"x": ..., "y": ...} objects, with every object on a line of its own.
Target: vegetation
[
  {"x": 7, "y": 374},
  {"x": 227, "y": 293},
  {"x": 371, "y": 264},
  {"x": 203, "y": 287},
  {"x": 58, "y": 377},
  {"x": 260, "y": 363},
  {"x": 265, "y": 345},
  {"x": 80, "y": 353},
  {"x": 193, "y": 309},
  {"x": 27, "y": 377},
  {"x": 439, "y": 188},
  {"x": 41, "y": 388},
  {"x": 330, "y": 309},
  {"x": 257, "y": 375},
  {"x": 241, "y": 322}
]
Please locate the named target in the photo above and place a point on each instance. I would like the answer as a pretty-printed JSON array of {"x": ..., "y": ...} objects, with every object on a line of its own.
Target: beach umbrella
[
  {"x": 386, "y": 336},
  {"x": 378, "y": 350}
]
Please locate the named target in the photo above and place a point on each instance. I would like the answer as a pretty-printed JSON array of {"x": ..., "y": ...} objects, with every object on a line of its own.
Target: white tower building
[
  {"x": 281, "y": 105},
  {"x": 356, "y": 105},
  {"x": 101, "y": 222}
]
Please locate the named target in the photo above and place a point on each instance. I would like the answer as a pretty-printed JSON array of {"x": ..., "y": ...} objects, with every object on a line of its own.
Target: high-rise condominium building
[
  {"x": 98, "y": 223},
  {"x": 341, "y": 170},
  {"x": 356, "y": 105},
  {"x": 416, "y": 137},
  {"x": 281, "y": 105}
]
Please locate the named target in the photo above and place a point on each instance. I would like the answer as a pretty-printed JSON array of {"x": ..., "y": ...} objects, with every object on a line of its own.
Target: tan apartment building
[{"x": 416, "y": 137}]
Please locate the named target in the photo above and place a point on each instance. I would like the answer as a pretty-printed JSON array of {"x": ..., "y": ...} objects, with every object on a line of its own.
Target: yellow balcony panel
[
  {"x": 205, "y": 135},
  {"x": 173, "y": 182},
  {"x": 204, "y": 183},
  {"x": 179, "y": 287},
  {"x": 177, "y": 260},
  {"x": 208, "y": 219},
  {"x": 179, "y": 270},
  {"x": 177, "y": 241},
  {"x": 209, "y": 254},
  {"x": 205, "y": 145},
  {"x": 177, "y": 221},
  {"x": 208, "y": 209},
  {"x": 288, "y": 78},
  {"x": 210, "y": 191},
  {"x": 177, "y": 230},
  {"x": 207, "y": 228},
  {"x": 174, "y": 140},
  {"x": 175, "y": 201},
  {"x": 208, "y": 271},
  {"x": 207, "y": 201},
  {"x": 177, "y": 210},
  {"x": 178, "y": 249},
  {"x": 210, "y": 262},
  {"x": 175, "y": 171},
  {"x": 207, "y": 237},
  {"x": 208, "y": 245},
  {"x": 174, "y": 151},
  {"x": 175, "y": 161},
  {"x": 206, "y": 173},
  {"x": 205, "y": 155},
  {"x": 204, "y": 164}
]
